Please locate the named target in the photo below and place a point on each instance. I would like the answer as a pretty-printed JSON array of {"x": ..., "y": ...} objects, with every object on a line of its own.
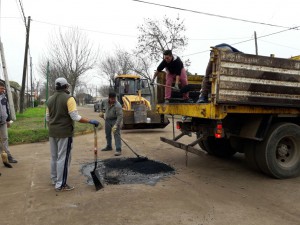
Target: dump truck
[
  {"x": 138, "y": 102},
  {"x": 253, "y": 108}
]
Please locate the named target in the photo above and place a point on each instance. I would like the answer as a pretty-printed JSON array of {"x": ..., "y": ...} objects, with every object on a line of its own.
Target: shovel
[
  {"x": 95, "y": 173},
  {"x": 166, "y": 86}
]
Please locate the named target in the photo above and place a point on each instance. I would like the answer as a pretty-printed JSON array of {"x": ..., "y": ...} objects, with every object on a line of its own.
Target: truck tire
[
  {"x": 249, "y": 150},
  {"x": 201, "y": 143},
  {"x": 217, "y": 147},
  {"x": 279, "y": 154}
]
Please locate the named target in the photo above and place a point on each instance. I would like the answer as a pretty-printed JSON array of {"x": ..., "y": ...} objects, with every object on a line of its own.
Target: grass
[{"x": 30, "y": 127}]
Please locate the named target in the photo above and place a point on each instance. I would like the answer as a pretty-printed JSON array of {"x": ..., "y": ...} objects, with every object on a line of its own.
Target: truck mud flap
[{"x": 186, "y": 147}]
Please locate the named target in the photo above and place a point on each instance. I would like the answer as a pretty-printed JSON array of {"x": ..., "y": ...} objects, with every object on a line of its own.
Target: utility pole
[
  {"x": 22, "y": 94},
  {"x": 31, "y": 86},
  {"x": 255, "y": 39},
  {"x": 47, "y": 84},
  {"x": 9, "y": 95}
]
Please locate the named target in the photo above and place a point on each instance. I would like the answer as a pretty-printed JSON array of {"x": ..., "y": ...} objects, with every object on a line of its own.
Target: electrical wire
[
  {"x": 84, "y": 29},
  {"x": 22, "y": 12},
  {"x": 210, "y": 14},
  {"x": 251, "y": 39}
]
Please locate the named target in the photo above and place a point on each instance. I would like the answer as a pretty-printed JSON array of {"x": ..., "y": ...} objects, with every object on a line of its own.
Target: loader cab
[{"x": 129, "y": 85}]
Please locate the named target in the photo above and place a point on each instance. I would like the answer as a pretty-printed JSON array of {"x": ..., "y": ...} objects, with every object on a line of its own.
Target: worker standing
[
  {"x": 111, "y": 111},
  {"x": 60, "y": 116},
  {"x": 4, "y": 124},
  {"x": 175, "y": 70}
]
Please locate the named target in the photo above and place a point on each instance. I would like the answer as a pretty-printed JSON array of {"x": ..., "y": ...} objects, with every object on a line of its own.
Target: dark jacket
[
  {"x": 4, "y": 110},
  {"x": 174, "y": 67}
]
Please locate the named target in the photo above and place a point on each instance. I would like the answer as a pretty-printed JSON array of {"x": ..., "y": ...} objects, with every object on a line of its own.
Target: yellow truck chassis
[{"x": 254, "y": 108}]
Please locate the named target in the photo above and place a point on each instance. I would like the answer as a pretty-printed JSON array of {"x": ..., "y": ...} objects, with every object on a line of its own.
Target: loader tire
[{"x": 278, "y": 155}]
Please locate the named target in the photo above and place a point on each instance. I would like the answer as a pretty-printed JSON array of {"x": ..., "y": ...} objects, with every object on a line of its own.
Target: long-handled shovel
[
  {"x": 95, "y": 173},
  {"x": 166, "y": 86}
]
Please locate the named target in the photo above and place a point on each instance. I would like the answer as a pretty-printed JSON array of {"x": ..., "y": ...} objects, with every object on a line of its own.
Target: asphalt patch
[{"x": 117, "y": 171}]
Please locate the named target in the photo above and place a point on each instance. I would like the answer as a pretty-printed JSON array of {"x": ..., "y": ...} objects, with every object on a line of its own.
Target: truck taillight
[
  {"x": 178, "y": 125},
  {"x": 219, "y": 131}
]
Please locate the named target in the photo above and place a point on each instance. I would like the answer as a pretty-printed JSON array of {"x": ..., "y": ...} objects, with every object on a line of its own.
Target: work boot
[
  {"x": 118, "y": 152},
  {"x": 106, "y": 148},
  {"x": 188, "y": 100},
  {"x": 65, "y": 188},
  {"x": 7, "y": 165},
  {"x": 11, "y": 159},
  {"x": 202, "y": 99}
]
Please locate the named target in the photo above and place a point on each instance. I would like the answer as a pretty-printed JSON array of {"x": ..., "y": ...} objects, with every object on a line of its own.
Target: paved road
[{"x": 206, "y": 191}]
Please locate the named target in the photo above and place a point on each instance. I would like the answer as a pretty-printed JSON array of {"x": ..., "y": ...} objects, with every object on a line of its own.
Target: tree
[
  {"x": 109, "y": 68},
  {"x": 155, "y": 37},
  {"x": 120, "y": 63},
  {"x": 104, "y": 90},
  {"x": 70, "y": 55},
  {"x": 142, "y": 65},
  {"x": 15, "y": 84},
  {"x": 53, "y": 73}
]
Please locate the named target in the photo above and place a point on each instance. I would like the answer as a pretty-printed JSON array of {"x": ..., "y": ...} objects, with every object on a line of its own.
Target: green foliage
[
  {"x": 35, "y": 103},
  {"x": 30, "y": 127},
  {"x": 14, "y": 84}
]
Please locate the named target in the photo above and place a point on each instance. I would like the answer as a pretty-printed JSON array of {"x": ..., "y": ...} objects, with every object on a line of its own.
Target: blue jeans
[{"x": 108, "y": 127}]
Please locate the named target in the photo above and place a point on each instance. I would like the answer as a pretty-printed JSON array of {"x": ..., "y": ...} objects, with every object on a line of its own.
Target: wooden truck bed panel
[{"x": 245, "y": 79}]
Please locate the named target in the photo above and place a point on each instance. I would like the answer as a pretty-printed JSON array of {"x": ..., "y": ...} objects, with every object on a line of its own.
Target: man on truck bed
[
  {"x": 175, "y": 69},
  {"x": 206, "y": 85}
]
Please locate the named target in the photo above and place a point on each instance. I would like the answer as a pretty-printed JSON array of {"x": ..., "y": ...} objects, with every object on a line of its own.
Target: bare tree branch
[
  {"x": 155, "y": 37},
  {"x": 70, "y": 55}
]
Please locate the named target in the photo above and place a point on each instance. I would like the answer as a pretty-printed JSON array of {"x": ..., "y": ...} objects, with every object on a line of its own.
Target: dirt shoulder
[{"x": 206, "y": 191}]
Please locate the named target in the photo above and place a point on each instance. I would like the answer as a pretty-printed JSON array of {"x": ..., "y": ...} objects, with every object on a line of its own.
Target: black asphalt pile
[{"x": 129, "y": 171}]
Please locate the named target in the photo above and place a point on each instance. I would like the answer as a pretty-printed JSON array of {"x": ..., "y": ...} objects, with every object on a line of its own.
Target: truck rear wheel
[
  {"x": 279, "y": 154},
  {"x": 249, "y": 150},
  {"x": 218, "y": 147}
]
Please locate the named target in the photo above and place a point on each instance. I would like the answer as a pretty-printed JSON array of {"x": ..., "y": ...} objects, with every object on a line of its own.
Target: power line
[
  {"x": 210, "y": 39},
  {"x": 280, "y": 45},
  {"x": 23, "y": 13},
  {"x": 210, "y": 14},
  {"x": 84, "y": 29},
  {"x": 292, "y": 28}
]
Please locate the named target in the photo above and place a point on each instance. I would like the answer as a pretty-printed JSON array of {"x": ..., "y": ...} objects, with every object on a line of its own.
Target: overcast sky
[{"x": 114, "y": 23}]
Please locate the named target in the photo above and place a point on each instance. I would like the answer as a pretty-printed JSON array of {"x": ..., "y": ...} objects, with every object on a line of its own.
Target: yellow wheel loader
[{"x": 137, "y": 97}]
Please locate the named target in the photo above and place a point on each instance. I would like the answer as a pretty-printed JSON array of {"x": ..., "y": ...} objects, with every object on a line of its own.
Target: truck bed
[
  {"x": 244, "y": 83},
  {"x": 245, "y": 79}
]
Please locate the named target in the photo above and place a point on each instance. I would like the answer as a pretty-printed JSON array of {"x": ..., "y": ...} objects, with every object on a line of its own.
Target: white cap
[{"x": 61, "y": 82}]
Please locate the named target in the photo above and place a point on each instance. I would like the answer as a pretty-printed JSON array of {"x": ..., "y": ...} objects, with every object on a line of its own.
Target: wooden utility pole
[
  {"x": 8, "y": 90},
  {"x": 31, "y": 86},
  {"x": 255, "y": 39},
  {"x": 47, "y": 84},
  {"x": 22, "y": 94}
]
